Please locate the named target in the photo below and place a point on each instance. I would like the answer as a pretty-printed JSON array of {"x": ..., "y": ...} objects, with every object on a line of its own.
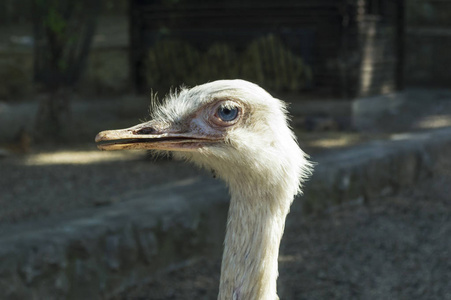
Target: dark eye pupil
[{"x": 227, "y": 113}]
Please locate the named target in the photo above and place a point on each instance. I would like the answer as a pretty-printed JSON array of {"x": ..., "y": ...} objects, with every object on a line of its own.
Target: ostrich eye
[{"x": 227, "y": 113}]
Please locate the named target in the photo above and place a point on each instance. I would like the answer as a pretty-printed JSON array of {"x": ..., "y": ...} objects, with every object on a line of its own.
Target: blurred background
[
  {"x": 353, "y": 71},
  {"x": 61, "y": 55}
]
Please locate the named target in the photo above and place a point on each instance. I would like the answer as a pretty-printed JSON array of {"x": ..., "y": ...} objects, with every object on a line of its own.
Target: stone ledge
[{"x": 97, "y": 253}]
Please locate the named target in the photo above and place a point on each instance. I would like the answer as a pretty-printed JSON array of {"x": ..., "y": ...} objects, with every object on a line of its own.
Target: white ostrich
[{"x": 237, "y": 129}]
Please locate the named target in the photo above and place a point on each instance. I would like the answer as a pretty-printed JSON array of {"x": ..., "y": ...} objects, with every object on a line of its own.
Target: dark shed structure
[{"x": 342, "y": 48}]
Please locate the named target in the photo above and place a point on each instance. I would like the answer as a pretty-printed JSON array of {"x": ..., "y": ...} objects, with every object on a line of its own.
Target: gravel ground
[{"x": 394, "y": 247}]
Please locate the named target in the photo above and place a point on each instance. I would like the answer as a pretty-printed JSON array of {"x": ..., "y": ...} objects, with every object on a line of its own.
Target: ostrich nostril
[{"x": 145, "y": 130}]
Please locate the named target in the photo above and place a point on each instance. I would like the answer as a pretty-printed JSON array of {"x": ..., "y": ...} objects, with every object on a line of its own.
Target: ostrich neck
[{"x": 254, "y": 229}]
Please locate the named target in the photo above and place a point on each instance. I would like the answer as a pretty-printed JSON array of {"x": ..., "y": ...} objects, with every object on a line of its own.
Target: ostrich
[{"x": 239, "y": 131}]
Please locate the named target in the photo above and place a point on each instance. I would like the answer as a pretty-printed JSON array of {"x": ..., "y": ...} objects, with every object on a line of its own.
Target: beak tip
[{"x": 99, "y": 137}]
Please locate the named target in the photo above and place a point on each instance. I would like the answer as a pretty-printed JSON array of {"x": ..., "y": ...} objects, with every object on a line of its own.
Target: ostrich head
[
  {"x": 233, "y": 127},
  {"x": 237, "y": 129}
]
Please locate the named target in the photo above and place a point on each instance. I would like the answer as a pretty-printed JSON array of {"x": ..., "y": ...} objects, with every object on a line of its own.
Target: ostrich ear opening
[{"x": 147, "y": 136}]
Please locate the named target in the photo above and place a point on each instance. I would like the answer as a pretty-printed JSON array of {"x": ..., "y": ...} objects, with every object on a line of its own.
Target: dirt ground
[
  {"x": 393, "y": 247},
  {"x": 396, "y": 247}
]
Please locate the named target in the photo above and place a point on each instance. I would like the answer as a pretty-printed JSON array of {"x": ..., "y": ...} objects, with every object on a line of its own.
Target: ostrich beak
[{"x": 148, "y": 136}]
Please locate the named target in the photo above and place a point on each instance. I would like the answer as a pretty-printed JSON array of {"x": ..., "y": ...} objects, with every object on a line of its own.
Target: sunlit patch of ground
[
  {"x": 434, "y": 121},
  {"x": 78, "y": 157},
  {"x": 337, "y": 141},
  {"x": 290, "y": 258},
  {"x": 319, "y": 141}
]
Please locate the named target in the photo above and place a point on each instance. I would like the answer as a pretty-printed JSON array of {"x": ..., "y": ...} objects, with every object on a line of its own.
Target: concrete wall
[
  {"x": 16, "y": 71},
  {"x": 428, "y": 40},
  {"x": 107, "y": 73}
]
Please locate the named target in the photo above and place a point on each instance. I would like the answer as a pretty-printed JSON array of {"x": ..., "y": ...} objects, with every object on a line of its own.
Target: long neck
[{"x": 251, "y": 248}]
